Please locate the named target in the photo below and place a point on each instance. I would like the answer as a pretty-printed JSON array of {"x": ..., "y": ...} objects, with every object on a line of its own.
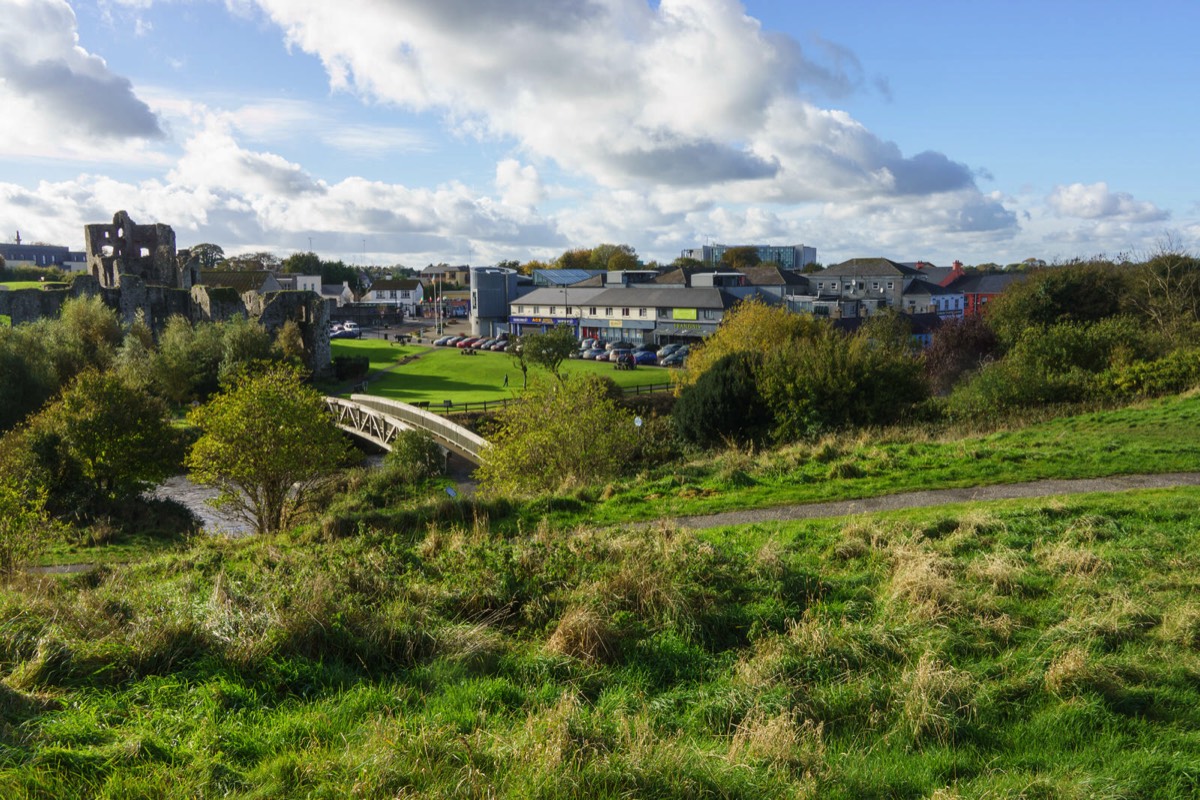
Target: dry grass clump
[
  {"x": 1001, "y": 569},
  {"x": 936, "y": 699},
  {"x": 1064, "y": 558},
  {"x": 1112, "y": 620},
  {"x": 584, "y": 634},
  {"x": 474, "y": 645},
  {"x": 1074, "y": 672},
  {"x": 780, "y": 742},
  {"x": 923, "y": 581},
  {"x": 1181, "y": 626},
  {"x": 861, "y": 536}
]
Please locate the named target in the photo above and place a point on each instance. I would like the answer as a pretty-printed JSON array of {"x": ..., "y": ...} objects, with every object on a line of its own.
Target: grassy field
[
  {"x": 444, "y": 373},
  {"x": 1153, "y": 437},
  {"x": 14, "y": 285},
  {"x": 1022, "y": 649}
]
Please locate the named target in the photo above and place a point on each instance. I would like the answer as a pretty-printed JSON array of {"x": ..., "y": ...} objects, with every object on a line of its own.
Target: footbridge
[{"x": 379, "y": 421}]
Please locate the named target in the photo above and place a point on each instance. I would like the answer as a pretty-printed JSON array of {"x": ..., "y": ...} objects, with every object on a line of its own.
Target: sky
[{"x": 412, "y": 132}]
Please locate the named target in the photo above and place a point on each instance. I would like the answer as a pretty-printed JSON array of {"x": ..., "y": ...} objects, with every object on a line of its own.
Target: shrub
[
  {"x": 415, "y": 457},
  {"x": 723, "y": 404},
  {"x": 558, "y": 435}
]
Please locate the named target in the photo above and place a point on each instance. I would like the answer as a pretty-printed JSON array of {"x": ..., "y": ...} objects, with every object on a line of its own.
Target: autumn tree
[
  {"x": 751, "y": 326},
  {"x": 265, "y": 444},
  {"x": 209, "y": 255}
]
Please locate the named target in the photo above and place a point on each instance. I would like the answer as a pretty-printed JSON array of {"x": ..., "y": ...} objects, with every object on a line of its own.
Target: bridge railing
[{"x": 455, "y": 435}]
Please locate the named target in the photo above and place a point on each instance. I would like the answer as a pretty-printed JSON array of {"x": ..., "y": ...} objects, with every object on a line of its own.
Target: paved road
[{"x": 940, "y": 497}]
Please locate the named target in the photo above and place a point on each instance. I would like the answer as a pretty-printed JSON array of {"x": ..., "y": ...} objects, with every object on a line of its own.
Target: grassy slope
[
  {"x": 1153, "y": 437},
  {"x": 443, "y": 373},
  {"x": 1023, "y": 650}
]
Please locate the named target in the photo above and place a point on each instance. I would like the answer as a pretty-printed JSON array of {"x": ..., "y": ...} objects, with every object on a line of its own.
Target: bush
[
  {"x": 415, "y": 457},
  {"x": 556, "y": 436},
  {"x": 724, "y": 404}
]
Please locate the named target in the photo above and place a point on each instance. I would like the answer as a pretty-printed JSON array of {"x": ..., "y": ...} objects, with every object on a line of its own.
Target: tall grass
[{"x": 1044, "y": 649}]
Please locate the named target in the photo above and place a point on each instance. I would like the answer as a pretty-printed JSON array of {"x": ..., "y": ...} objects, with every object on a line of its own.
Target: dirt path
[{"x": 940, "y": 497}]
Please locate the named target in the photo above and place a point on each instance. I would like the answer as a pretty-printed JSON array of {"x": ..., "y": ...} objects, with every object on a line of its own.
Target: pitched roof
[
  {"x": 773, "y": 276},
  {"x": 991, "y": 283},
  {"x": 392, "y": 284},
  {"x": 666, "y": 297},
  {"x": 867, "y": 266},
  {"x": 239, "y": 280},
  {"x": 918, "y": 286}
]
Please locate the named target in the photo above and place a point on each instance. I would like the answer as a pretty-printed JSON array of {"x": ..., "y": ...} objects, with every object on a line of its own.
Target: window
[
  {"x": 874, "y": 284},
  {"x": 520, "y": 309},
  {"x": 664, "y": 313},
  {"x": 553, "y": 310},
  {"x": 608, "y": 311},
  {"x": 891, "y": 285},
  {"x": 592, "y": 311},
  {"x": 537, "y": 309},
  {"x": 624, "y": 312},
  {"x": 710, "y": 314},
  {"x": 846, "y": 287},
  {"x": 568, "y": 311},
  {"x": 641, "y": 312}
]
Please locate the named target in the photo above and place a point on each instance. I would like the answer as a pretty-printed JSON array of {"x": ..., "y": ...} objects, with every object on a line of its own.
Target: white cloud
[
  {"x": 59, "y": 100},
  {"x": 1097, "y": 202},
  {"x": 685, "y": 93}
]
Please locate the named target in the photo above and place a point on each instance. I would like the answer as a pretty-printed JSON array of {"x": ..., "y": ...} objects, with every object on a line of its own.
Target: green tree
[
  {"x": 209, "y": 255},
  {"x": 579, "y": 258},
  {"x": 1083, "y": 292},
  {"x": 751, "y": 326},
  {"x": 613, "y": 257},
  {"x": 27, "y": 378},
  {"x": 740, "y": 257},
  {"x": 558, "y": 435},
  {"x": 549, "y": 349},
  {"x": 266, "y": 444},
  {"x": 302, "y": 264},
  {"x": 118, "y": 434},
  {"x": 724, "y": 404}
]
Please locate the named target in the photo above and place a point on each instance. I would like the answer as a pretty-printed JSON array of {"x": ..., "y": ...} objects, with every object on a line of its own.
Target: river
[{"x": 195, "y": 497}]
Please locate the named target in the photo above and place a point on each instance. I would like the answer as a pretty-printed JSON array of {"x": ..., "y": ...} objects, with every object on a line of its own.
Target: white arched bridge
[{"x": 379, "y": 421}]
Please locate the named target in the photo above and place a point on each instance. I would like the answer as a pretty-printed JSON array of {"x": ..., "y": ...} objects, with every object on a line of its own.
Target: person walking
[{"x": 506, "y": 380}]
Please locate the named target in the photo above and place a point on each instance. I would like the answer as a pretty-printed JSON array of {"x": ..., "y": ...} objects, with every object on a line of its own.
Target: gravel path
[{"x": 940, "y": 497}]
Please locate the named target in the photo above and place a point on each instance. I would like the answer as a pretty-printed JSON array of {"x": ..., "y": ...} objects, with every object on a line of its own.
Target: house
[
  {"x": 925, "y": 297},
  {"x": 42, "y": 256},
  {"x": 446, "y": 275},
  {"x": 404, "y": 293},
  {"x": 340, "y": 295},
  {"x": 291, "y": 282},
  {"x": 977, "y": 290},
  {"x": 241, "y": 281}
]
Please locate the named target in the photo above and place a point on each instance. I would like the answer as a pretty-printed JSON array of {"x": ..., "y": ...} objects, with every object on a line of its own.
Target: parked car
[
  {"x": 645, "y": 357},
  {"x": 667, "y": 349},
  {"x": 646, "y": 347},
  {"x": 610, "y": 346},
  {"x": 588, "y": 344},
  {"x": 442, "y": 340},
  {"x": 618, "y": 353},
  {"x": 595, "y": 353},
  {"x": 352, "y": 328},
  {"x": 500, "y": 347},
  {"x": 468, "y": 341},
  {"x": 486, "y": 344},
  {"x": 675, "y": 359}
]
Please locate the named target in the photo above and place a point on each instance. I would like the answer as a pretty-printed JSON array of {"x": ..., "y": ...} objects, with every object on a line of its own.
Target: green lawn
[
  {"x": 1152, "y": 437},
  {"x": 444, "y": 373},
  {"x": 14, "y": 285}
]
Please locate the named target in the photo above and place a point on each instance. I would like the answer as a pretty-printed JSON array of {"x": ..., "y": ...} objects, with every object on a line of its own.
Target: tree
[
  {"x": 613, "y": 257},
  {"x": 724, "y": 404},
  {"x": 579, "y": 258},
  {"x": 740, "y": 257},
  {"x": 302, "y": 264},
  {"x": 549, "y": 349},
  {"x": 556, "y": 436},
  {"x": 117, "y": 433},
  {"x": 209, "y": 255},
  {"x": 266, "y": 444},
  {"x": 751, "y": 326}
]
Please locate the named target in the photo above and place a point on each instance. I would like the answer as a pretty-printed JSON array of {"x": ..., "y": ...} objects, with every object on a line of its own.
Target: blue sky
[{"x": 421, "y": 131}]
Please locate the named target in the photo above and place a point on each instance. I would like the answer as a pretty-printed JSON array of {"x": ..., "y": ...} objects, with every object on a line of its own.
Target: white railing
[{"x": 380, "y": 420}]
